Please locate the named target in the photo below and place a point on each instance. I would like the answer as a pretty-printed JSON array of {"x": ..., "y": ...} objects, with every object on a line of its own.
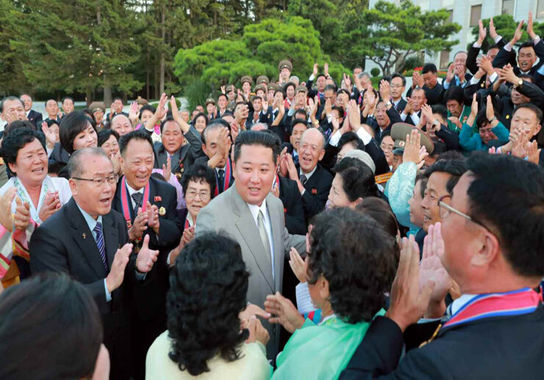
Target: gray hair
[{"x": 76, "y": 162}]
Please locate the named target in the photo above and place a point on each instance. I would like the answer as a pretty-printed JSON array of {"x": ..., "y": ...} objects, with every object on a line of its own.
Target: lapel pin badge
[
  {"x": 162, "y": 211},
  {"x": 84, "y": 235}
]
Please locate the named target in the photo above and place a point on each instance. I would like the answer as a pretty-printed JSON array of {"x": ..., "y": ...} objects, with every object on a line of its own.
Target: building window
[
  {"x": 475, "y": 14},
  {"x": 540, "y": 9},
  {"x": 444, "y": 59},
  {"x": 507, "y": 7}
]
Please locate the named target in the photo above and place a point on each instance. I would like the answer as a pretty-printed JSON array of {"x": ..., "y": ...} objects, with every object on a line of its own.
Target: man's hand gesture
[
  {"x": 146, "y": 257},
  {"x": 117, "y": 272}
]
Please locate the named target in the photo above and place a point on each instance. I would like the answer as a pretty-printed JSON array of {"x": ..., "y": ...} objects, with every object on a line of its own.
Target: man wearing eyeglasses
[
  {"x": 490, "y": 243},
  {"x": 89, "y": 241}
]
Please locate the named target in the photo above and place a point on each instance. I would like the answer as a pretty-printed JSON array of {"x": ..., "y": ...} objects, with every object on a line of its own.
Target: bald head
[
  {"x": 121, "y": 124},
  {"x": 311, "y": 149}
]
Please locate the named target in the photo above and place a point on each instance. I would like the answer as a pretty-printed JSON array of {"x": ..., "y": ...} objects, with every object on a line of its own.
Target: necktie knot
[
  {"x": 137, "y": 197},
  {"x": 303, "y": 179},
  {"x": 98, "y": 228}
]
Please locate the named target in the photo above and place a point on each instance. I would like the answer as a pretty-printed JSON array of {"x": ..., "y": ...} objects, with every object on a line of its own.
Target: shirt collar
[
  {"x": 254, "y": 209},
  {"x": 308, "y": 175},
  {"x": 132, "y": 191},
  {"x": 457, "y": 304},
  {"x": 91, "y": 222}
]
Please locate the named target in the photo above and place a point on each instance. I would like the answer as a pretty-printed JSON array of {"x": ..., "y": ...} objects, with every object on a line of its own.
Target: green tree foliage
[
  {"x": 387, "y": 34},
  {"x": 257, "y": 52}
]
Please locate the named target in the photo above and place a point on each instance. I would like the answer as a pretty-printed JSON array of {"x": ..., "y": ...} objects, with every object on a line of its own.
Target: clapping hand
[
  {"x": 21, "y": 219},
  {"x": 5, "y": 208},
  {"x": 146, "y": 257},
  {"x": 432, "y": 270},
  {"x": 51, "y": 204},
  {"x": 297, "y": 264},
  {"x": 167, "y": 168},
  {"x": 153, "y": 220},
  {"x": 283, "y": 311}
]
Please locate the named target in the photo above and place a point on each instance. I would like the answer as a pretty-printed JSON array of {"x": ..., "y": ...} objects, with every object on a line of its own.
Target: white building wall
[{"x": 461, "y": 15}]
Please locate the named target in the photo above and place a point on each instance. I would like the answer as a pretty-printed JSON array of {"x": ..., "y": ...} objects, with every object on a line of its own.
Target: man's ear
[
  {"x": 73, "y": 186},
  {"x": 323, "y": 287},
  {"x": 487, "y": 251}
]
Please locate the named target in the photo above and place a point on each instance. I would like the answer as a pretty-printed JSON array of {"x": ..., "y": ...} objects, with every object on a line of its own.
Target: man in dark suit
[
  {"x": 181, "y": 156},
  {"x": 216, "y": 145},
  {"x": 33, "y": 116},
  {"x": 313, "y": 181},
  {"x": 398, "y": 85},
  {"x": 89, "y": 241},
  {"x": 148, "y": 206},
  {"x": 498, "y": 267}
]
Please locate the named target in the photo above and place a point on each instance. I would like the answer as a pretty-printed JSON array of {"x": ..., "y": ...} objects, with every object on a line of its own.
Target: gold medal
[{"x": 162, "y": 211}]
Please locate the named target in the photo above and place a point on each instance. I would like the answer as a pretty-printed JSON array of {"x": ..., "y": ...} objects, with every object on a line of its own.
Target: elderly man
[
  {"x": 89, "y": 241},
  {"x": 254, "y": 217},
  {"x": 13, "y": 109},
  {"x": 34, "y": 117},
  {"x": 121, "y": 124},
  {"x": 313, "y": 181},
  {"x": 495, "y": 328},
  {"x": 457, "y": 72}
]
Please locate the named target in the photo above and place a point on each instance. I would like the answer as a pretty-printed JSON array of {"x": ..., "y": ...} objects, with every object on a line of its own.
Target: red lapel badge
[
  {"x": 314, "y": 191},
  {"x": 157, "y": 198}
]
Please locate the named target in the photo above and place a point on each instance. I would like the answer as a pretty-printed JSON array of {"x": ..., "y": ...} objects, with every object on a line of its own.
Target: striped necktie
[{"x": 100, "y": 244}]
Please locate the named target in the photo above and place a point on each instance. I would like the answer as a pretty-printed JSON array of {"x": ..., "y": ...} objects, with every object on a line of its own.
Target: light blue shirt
[{"x": 91, "y": 222}]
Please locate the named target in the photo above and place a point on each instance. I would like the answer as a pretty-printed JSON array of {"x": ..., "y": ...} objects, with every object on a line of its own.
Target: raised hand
[
  {"x": 432, "y": 270},
  {"x": 412, "y": 148},
  {"x": 409, "y": 108},
  {"x": 492, "y": 31},
  {"x": 291, "y": 168},
  {"x": 326, "y": 69},
  {"x": 146, "y": 257},
  {"x": 481, "y": 32},
  {"x": 50, "y": 205},
  {"x": 530, "y": 30},
  {"x": 297, "y": 265},
  {"x": 489, "y": 111},
  {"x": 385, "y": 90},
  {"x": 138, "y": 226},
  {"x": 50, "y": 136},
  {"x": 451, "y": 73},
  {"x": 409, "y": 300},
  {"x": 518, "y": 33},
  {"x": 21, "y": 219},
  {"x": 167, "y": 168},
  {"x": 117, "y": 271},
  {"x": 316, "y": 68},
  {"x": 256, "y": 331},
  {"x": 5, "y": 208},
  {"x": 533, "y": 153},
  {"x": 133, "y": 113},
  {"x": 283, "y": 312},
  {"x": 252, "y": 310},
  {"x": 485, "y": 64},
  {"x": 153, "y": 220},
  {"x": 284, "y": 163}
]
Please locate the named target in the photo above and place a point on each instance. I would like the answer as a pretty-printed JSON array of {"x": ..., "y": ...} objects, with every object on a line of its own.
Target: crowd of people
[{"x": 284, "y": 229}]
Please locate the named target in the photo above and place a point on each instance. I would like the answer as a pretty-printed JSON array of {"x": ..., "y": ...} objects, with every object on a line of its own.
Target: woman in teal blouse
[{"x": 351, "y": 265}]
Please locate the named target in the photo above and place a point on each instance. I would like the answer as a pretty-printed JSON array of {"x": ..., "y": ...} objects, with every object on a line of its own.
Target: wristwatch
[{"x": 519, "y": 83}]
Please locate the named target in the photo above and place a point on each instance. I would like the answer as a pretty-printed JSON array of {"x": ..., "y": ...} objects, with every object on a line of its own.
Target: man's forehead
[{"x": 437, "y": 181}]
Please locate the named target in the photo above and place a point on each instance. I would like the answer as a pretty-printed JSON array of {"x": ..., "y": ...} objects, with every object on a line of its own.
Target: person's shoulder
[
  {"x": 323, "y": 173},
  {"x": 163, "y": 187}
]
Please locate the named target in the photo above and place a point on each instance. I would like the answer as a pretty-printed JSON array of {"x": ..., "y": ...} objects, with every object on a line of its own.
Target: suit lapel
[
  {"x": 111, "y": 238},
  {"x": 248, "y": 230},
  {"x": 276, "y": 215},
  {"x": 84, "y": 239}
]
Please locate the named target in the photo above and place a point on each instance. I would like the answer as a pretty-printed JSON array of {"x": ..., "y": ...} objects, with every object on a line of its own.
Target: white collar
[
  {"x": 254, "y": 209},
  {"x": 133, "y": 191},
  {"x": 308, "y": 175},
  {"x": 457, "y": 304}
]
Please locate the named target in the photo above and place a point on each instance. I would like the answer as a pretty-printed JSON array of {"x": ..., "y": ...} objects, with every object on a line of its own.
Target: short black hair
[
  {"x": 167, "y": 120},
  {"x": 67, "y": 98},
  {"x": 429, "y": 68},
  {"x": 455, "y": 93},
  {"x": 351, "y": 137},
  {"x": 208, "y": 290},
  {"x": 527, "y": 44},
  {"x": 256, "y": 138},
  {"x": 533, "y": 108},
  {"x": 72, "y": 125},
  {"x": 357, "y": 178},
  {"x": 288, "y": 84},
  {"x": 320, "y": 75},
  {"x": 18, "y": 124},
  {"x": 340, "y": 110},
  {"x": 398, "y": 75},
  {"x": 222, "y": 95},
  {"x": 198, "y": 173},
  {"x": 357, "y": 258},
  {"x": 507, "y": 196},
  {"x": 10, "y": 98},
  {"x": 147, "y": 107},
  {"x": 105, "y": 134},
  {"x": 45, "y": 319},
  {"x": 455, "y": 168},
  {"x": 16, "y": 140},
  {"x": 440, "y": 109},
  {"x": 200, "y": 114},
  {"x": 298, "y": 121},
  {"x": 330, "y": 87},
  {"x": 136, "y": 135}
]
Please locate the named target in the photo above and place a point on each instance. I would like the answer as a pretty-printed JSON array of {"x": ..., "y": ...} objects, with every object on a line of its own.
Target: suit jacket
[
  {"x": 317, "y": 192},
  {"x": 64, "y": 243},
  {"x": 491, "y": 348},
  {"x": 292, "y": 206},
  {"x": 35, "y": 118},
  {"x": 230, "y": 214},
  {"x": 204, "y": 161}
]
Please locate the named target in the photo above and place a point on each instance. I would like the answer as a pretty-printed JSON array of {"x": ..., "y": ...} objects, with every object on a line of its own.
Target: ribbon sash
[
  {"x": 226, "y": 180},
  {"x": 517, "y": 302},
  {"x": 125, "y": 201}
]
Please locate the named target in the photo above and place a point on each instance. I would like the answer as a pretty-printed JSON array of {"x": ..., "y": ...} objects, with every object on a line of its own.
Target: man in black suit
[
  {"x": 148, "y": 206},
  {"x": 490, "y": 244},
  {"x": 89, "y": 241},
  {"x": 181, "y": 156},
  {"x": 216, "y": 145},
  {"x": 412, "y": 111},
  {"x": 313, "y": 181},
  {"x": 33, "y": 116},
  {"x": 398, "y": 85}
]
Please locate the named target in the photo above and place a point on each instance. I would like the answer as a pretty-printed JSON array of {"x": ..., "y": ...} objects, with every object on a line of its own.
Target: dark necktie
[
  {"x": 303, "y": 179},
  {"x": 138, "y": 201},
  {"x": 295, "y": 159},
  {"x": 221, "y": 179},
  {"x": 100, "y": 244}
]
